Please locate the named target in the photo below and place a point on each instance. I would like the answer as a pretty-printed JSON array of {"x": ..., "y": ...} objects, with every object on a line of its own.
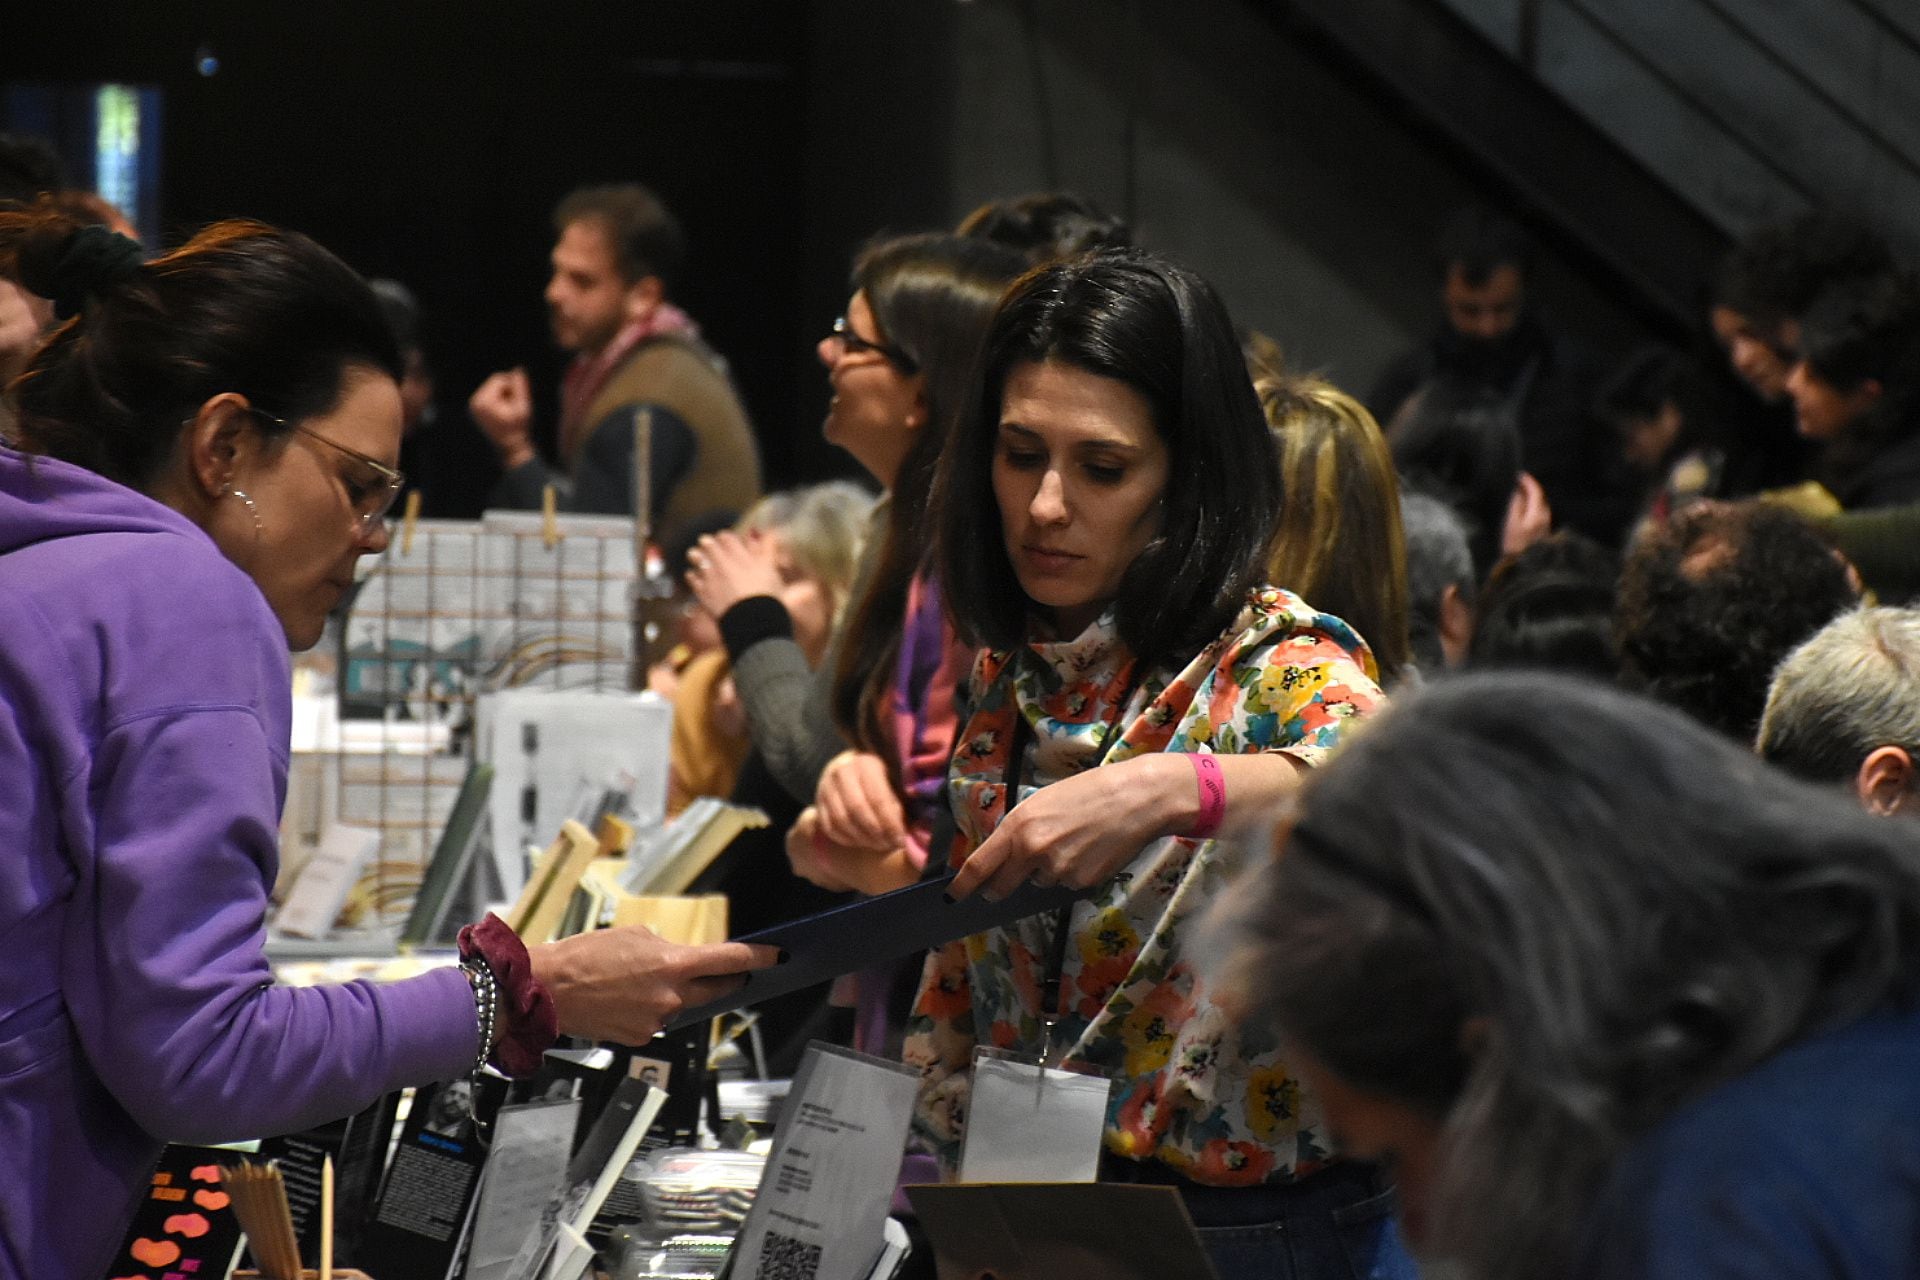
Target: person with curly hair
[{"x": 1709, "y": 604}]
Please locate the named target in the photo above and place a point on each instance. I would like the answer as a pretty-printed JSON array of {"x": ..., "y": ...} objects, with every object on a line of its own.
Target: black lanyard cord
[{"x": 1051, "y": 1006}]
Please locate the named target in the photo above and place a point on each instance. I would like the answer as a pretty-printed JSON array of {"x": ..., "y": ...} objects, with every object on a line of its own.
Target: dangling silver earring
[{"x": 253, "y": 508}]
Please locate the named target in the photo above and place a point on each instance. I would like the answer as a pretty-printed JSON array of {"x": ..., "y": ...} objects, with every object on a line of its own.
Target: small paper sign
[
  {"x": 1027, "y": 1123},
  {"x": 821, "y": 1210},
  {"x": 314, "y": 902},
  {"x": 525, "y": 1172}
]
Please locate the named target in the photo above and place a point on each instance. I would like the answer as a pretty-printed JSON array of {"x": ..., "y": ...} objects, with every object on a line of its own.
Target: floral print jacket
[{"x": 1208, "y": 1098}]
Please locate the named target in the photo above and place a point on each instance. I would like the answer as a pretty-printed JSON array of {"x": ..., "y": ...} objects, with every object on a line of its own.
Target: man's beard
[{"x": 1495, "y": 360}]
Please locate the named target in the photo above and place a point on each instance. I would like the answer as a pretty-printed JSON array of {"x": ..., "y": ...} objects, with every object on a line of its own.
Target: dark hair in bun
[
  {"x": 86, "y": 262},
  {"x": 241, "y": 307}
]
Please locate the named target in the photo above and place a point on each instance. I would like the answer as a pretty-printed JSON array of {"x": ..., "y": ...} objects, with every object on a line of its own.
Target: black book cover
[
  {"x": 184, "y": 1226},
  {"x": 420, "y": 1220},
  {"x": 358, "y": 1145}
]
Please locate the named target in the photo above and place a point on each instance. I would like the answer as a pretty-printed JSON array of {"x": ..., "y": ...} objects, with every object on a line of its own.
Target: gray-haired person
[
  {"x": 1440, "y": 583},
  {"x": 1844, "y": 707},
  {"x": 1612, "y": 997}
]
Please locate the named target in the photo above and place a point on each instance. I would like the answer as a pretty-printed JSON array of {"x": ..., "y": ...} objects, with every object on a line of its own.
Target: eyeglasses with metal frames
[{"x": 371, "y": 500}]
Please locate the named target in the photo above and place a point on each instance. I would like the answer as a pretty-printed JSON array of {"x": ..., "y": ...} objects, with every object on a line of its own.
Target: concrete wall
[
  {"x": 1307, "y": 202},
  {"x": 1224, "y": 147}
]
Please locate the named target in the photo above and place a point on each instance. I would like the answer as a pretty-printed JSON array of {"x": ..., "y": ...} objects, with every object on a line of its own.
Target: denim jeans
[{"x": 1336, "y": 1224}]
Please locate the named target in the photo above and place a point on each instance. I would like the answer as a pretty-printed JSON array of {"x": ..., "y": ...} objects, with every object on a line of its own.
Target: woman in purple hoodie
[{"x": 205, "y": 446}]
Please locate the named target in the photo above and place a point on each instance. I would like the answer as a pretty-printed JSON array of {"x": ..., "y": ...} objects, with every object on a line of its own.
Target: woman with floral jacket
[{"x": 1104, "y": 527}]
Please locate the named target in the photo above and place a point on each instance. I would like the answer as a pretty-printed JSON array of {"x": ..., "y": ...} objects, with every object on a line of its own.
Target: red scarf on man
[{"x": 589, "y": 373}]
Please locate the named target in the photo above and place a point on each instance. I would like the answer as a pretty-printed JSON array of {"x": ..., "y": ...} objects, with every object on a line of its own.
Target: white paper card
[
  {"x": 552, "y": 749},
  {"x": 526, "y": 1170},
  {"x": 821, "y": 1210},
  {"x": 1029, "y": 1124},
  {"x": 314, "y": 902},
  {"x": 551, "y": 1250}
]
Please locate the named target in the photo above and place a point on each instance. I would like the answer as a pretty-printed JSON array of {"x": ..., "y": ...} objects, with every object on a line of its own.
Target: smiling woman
[
  {"x": 1104, "y": 523},
  {"x": 206, "y": 447}
]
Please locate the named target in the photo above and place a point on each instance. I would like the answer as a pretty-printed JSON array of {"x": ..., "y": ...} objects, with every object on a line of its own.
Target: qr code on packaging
[{"x": 784, "y": 1258}]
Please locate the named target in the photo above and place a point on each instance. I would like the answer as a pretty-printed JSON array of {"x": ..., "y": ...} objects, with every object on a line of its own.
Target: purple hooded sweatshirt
[{"x": 144, "y": 720}]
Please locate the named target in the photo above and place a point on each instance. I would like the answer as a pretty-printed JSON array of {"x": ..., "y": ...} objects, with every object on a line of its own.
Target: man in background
[
  {"x": 637, "y": 357},
  {"x": 1494, "y": 355}
]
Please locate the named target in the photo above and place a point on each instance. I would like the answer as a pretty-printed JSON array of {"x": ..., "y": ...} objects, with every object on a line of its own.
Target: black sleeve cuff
[{"x": 752, "y": 620}]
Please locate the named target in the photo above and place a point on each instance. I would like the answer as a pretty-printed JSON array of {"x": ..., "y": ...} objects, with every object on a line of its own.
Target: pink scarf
[{"x": 589, "y": 373}]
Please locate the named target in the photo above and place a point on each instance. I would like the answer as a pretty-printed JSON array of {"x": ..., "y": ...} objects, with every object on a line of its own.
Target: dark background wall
[{"x": 428, "y": 142}]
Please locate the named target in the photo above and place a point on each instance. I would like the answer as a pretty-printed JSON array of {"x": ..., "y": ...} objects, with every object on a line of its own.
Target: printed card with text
[{"x": 822, "y": 1206}]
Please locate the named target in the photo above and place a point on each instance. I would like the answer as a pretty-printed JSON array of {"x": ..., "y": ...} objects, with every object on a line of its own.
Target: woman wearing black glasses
[
  {"x": 899, "y": 359},
  {"x": 204, "y": 447},
  {"x": 867, "y": 740}
]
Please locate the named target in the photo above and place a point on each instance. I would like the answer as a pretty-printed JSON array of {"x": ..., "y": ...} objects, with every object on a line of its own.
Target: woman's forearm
[
  {"x": 1253, "y": 785},
  {"x": 1083, "y": 829}
]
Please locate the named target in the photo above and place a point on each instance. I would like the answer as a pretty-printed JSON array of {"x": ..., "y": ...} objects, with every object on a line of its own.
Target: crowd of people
[{"x": 1486, "y": 797}]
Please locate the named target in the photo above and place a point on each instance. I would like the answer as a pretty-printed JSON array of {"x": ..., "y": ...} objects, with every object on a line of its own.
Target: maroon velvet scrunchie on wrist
[{"x": 530, "y": 1020}]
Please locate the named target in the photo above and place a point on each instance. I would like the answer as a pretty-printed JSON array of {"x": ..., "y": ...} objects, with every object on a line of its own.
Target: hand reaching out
[
  {"x": 808, "y": 855},
  {"x": 1076, "y": 832},
  {"x": 1529, "y": 517},
  {"x": 625, "y": 984},
  {"x": 843, "y": 868}
]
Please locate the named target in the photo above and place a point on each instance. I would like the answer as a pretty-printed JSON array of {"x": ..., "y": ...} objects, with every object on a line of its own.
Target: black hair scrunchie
[{"x": 92, "y": 261}]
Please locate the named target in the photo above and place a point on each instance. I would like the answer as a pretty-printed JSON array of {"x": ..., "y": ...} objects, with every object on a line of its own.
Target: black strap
[{"x": 1050, "y": 1004}]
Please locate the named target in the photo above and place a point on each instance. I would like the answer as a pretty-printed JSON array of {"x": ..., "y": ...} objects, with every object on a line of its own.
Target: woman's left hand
[
  {"x": 1081, "y": 830},
  {"x": 725, "y": 568},
  {"x": 1084, "y": 829}
]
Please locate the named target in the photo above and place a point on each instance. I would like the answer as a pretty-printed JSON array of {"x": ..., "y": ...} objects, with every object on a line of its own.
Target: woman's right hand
[
  {"x": 625, "y": 984},
  {"x": 857, "y": 804},
  {"x": 724, "y": 568},
  {"x": 843, "y": 868}
]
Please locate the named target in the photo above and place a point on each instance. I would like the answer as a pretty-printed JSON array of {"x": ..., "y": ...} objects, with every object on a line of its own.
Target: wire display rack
[{"x": 451, "y": 610}]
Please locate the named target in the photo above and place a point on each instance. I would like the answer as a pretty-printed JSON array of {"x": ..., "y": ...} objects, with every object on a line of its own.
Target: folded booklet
[{"x": 873, "y": 931}]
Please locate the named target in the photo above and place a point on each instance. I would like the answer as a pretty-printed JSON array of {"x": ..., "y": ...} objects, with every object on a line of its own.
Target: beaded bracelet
[
  {"x": 527, "y": 1019},
  {"x": 486, "y": 1005}
]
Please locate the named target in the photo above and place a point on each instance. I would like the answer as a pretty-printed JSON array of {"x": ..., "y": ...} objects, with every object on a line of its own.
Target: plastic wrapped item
[
  {"x": 692, "y": 1205},
  {"x": 634, "y": 1255},
  {"x": 700, "y": 1192}
]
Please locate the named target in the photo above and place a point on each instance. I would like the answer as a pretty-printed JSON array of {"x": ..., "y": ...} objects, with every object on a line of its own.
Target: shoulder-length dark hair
[
  {"x": 241, "y": 307},
  {"x": 1547, "y": 913},
  {"x": 1162, "y": 330},
  {"x": 932, "y": 297}
]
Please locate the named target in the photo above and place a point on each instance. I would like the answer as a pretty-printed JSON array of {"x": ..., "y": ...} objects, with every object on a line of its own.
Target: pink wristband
[{"x": 1213, "y": 796}]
